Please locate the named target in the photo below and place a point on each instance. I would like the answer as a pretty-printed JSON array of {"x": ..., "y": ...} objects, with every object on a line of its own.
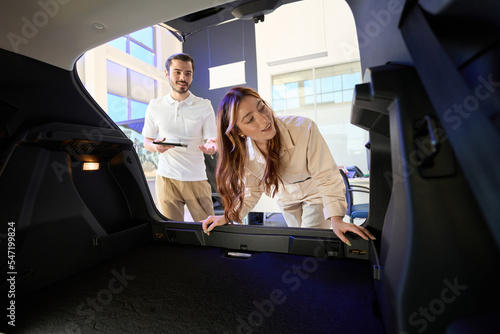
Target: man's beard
[{"x": 182, "y": 89}]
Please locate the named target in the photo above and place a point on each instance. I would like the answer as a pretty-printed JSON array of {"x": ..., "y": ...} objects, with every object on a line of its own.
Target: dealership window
[
  {"x": 140, "y": 44},
  {"x": 128, "y": 95},
  {"x": 129, "y": 92},
  {"x": 323, "y": 85}
]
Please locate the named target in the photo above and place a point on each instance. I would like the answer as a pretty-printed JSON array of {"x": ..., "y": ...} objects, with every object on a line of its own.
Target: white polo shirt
[{"x": 189, "y": 122}]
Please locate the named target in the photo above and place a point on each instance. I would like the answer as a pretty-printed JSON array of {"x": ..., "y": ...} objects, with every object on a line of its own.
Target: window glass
[
  {"x": 143, "y": 88},
  {"x": 279, "y": 105},
  {"x": 309, "y": 99},
  {"x": 138, "y": 109},
  {"x": 337, "y": 84},
  {"x": 141, "y": 53},
  {"x": 149, "y": 161},
  {"x": 116, "y": 78},
  {"x": 331, "y": 84},
  {"x": 309, "y": 92},
  {"x": 293, "y": 90},
  {"x": 144, "y": 36},
  {"x": 350, "y": 80},
  {"x": 326, "y": 85},
  {"x": 117, "y": 107},
  {"x": 119, "y": 43},
  {"x": 292, "y": 95},
  {"x": 293, "y": 103},
  {"x": 129, "y": 91},
  {"x": 325, "y": 98},
  {"x": 139, "y": 44},
  {"x": 337, "y": 97},
  {"x": 279, "y": 95}
]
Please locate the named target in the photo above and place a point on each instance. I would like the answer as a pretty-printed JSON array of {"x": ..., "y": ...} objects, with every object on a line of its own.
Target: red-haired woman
[{"x": 286, "y": 157}]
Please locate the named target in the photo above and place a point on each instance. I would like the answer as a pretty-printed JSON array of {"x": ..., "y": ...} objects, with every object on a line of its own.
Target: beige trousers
[
  {"x": 172, "y": 195},
  {"x": 306, "y": 215}
]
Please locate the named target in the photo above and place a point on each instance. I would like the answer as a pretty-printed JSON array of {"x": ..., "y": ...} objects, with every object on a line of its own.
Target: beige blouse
[{"x": 308, "y": 169}]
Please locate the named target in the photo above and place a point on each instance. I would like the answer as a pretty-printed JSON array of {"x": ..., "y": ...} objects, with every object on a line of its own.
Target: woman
[{"x": 286, "y": 157}]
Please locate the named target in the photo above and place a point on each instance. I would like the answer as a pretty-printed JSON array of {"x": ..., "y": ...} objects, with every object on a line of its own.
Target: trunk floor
[{"x": 165, "y": 288}]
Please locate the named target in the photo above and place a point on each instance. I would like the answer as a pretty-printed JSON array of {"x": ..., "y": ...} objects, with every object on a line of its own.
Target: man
[{"x": 181, "y": 117}]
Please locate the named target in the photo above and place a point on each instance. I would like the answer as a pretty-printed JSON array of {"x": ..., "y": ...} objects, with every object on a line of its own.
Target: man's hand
[
  {"x": 148, "y": 144},
  {"x": 210, "y": 146}
]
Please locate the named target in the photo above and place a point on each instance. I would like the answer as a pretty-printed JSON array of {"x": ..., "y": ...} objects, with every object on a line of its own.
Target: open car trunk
[{"x": 88, "y": 251}]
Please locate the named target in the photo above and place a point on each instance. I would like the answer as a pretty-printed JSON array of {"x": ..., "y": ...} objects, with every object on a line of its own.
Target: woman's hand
[
  {"x": 211, "y": 222},
  {"x": 340, "y": 228}
]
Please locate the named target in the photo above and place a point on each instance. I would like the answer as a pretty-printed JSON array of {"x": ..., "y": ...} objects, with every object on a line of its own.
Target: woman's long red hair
[{"x": 230, "y": 171}]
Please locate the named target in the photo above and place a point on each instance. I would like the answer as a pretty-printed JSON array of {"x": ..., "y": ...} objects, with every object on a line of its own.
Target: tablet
[{"x": 169, "y": 144}]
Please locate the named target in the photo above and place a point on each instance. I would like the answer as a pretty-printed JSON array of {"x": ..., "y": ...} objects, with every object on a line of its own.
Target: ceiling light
[{"x": 98, "y": 26}]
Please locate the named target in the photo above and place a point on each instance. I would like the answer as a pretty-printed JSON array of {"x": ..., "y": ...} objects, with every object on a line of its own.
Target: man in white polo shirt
[{"x": 181, "y": 118}]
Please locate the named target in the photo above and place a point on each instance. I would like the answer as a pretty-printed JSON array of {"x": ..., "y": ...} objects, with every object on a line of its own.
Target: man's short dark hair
[{"x": 178, "y": 56}]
